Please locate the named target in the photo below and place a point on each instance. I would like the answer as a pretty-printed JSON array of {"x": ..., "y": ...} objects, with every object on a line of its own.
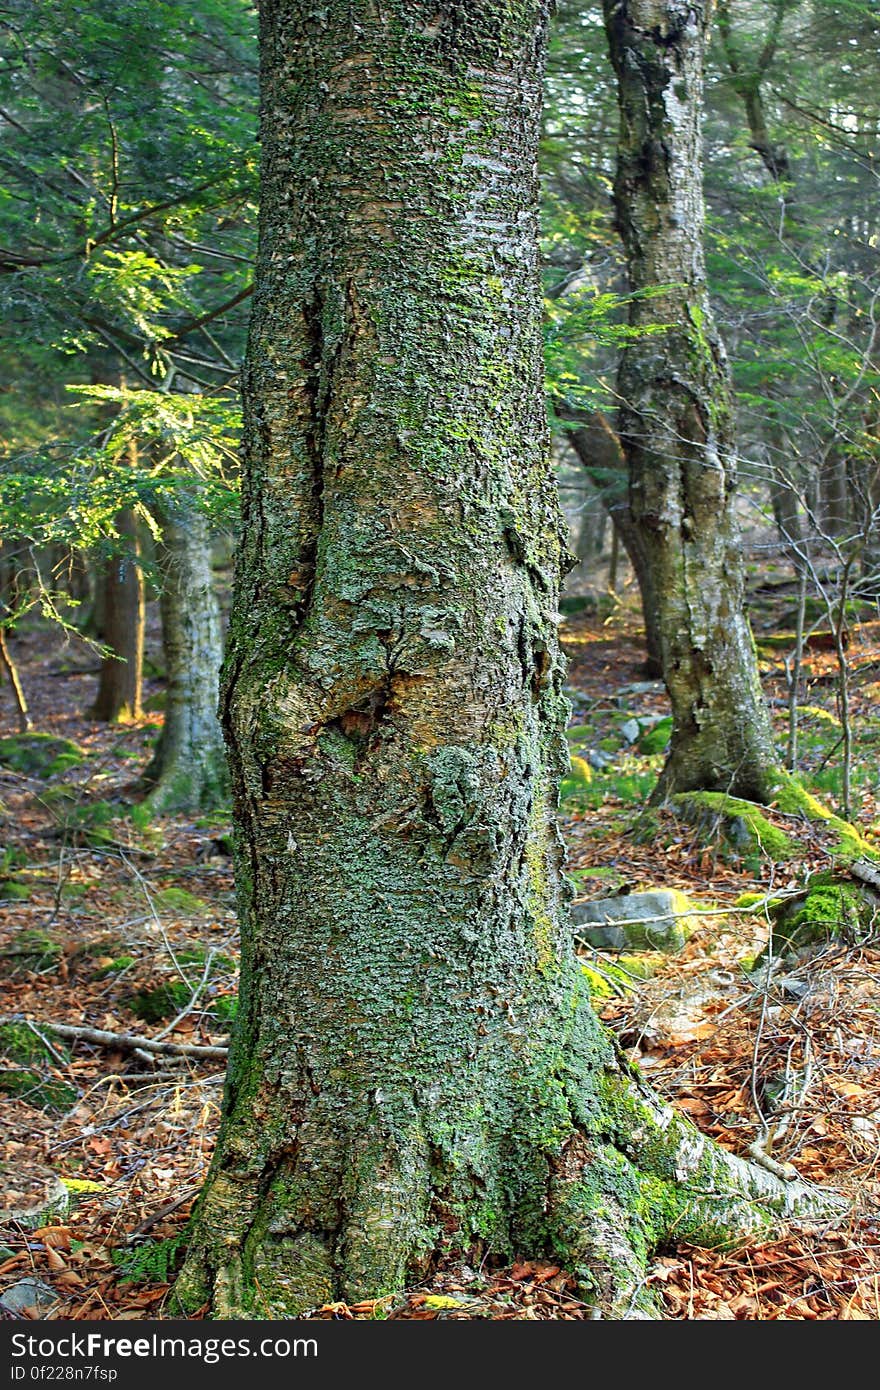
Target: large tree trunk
[
  {"x": 189, "y": 770},
  {"x": 676, "y": 417},
  {"x": 416, "y": 1067},
  {"x": 122, "y": 628}
]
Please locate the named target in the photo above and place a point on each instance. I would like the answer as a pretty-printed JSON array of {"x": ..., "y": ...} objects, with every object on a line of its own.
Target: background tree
[
  {"x": 676, "y": 412},
  {"x": 416, "y": 1065}
]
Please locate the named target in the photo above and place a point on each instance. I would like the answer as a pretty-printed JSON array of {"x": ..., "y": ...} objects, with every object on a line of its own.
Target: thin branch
[{"x": 125, "y": 1042}]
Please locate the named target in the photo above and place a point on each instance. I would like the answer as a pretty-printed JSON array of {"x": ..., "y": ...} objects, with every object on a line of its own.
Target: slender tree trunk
[
  {"x": 189, "y": 770},
  {"x": 592, "y": 532},
  {"x": 599, "y": 451},
  {"x": 120, "y": 683},
  {"x": 8, "y": 665},
  {"x": 416, "y": 1067},
  {"x": 676, "y": 420}
]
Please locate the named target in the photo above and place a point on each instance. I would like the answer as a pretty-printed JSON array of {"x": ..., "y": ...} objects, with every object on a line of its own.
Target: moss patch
[
  {"x": 30, "y": 1086},
  {"x": 830, "y": 909},
  {"x": 789, "y": 796},
  {"x": 161, "y": 1002},
  {"x": 39, "y": 755},
  {"x": 740, "y": 824},
  {"x": 179, "y": 901},
  {"x": 20, "y": 1043},
  {"x": 28, "y": 950},
  {"x": 655, "y": 740},
  {"x": 578, "y": 779}
]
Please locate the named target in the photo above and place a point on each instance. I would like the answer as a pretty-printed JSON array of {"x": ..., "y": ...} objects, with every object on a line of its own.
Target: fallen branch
[
  {"x": 127, "y": 1042},
  {"x": 867, "y": 872}
]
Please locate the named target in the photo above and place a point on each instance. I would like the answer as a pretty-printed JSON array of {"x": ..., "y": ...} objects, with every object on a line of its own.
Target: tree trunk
[
  {"x": 676, "y": 417},
  {"x": 120, "y": 682},
  {"x": 416, "y": 1068},
  {"x": 8, "y": 665},
  {"x": 599, "y": 451},
  {"x": 189, "y": 770}
]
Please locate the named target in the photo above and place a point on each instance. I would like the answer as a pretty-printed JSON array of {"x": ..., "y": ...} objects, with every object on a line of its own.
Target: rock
[
  {"x": 29, "y": 1297},
  {"x": 599, "y": 760},
  {"x": 30, "y": 1194},
  {"x": 631, "y": 730},
  {"x": 659, "y": 920},
  {"x": 641, "y": 688}
]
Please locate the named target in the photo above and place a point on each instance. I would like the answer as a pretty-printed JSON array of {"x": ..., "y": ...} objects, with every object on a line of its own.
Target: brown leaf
[{"x": 57, "y": 1237}]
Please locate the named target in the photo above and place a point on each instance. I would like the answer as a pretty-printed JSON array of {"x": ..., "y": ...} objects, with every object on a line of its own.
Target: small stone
[
  {"x": 598, "y": 760},
  {"x": 641, "y": 688},
  {"x": 631, "y": 730},
  {"x": 659, "y": 920},
  {"x": 31, "y": 1297}
]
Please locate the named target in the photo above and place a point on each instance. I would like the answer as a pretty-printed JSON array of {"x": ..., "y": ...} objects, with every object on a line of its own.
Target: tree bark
[
  {"x": 189, "y": 770},
  {"x": 121, "y": 679},
  {"x": 676, "y": 417},
  {"x": 416, "y": 1068}
]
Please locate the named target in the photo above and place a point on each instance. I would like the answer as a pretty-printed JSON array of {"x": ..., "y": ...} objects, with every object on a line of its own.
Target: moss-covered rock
[
  {"x": 656, "y": 739},
  {"x": 793, "y": 799},
  {"x": 831, "y": 908},
  {"x": 739, "y": 826},
  {"x": 182, "y": 903}
]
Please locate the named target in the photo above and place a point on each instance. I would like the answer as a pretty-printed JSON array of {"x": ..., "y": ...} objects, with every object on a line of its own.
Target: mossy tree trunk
[
  {"x": 189, "y": 770},
  {"x": 122, "y": 628},
  {"x": 416, "y": 1067},
  {"x": 676, "y": 417}
]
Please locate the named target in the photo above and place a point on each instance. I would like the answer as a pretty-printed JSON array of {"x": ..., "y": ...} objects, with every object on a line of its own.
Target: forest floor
[{"x": 119, "y": 924}]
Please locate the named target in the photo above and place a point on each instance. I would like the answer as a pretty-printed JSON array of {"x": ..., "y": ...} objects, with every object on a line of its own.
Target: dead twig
[{"x": 126, "y": 1042}]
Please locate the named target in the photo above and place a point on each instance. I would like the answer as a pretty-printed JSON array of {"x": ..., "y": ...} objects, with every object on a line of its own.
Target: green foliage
[
  {"x": 577, "y": 327},
  {"x": 127, "y": 231},
  {"x": 225, "y": 1008},
  {"x": 153, "y": 1262}
]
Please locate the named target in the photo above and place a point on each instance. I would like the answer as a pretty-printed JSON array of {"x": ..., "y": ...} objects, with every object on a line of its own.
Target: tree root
[{"x": 640, "y": 1180}]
